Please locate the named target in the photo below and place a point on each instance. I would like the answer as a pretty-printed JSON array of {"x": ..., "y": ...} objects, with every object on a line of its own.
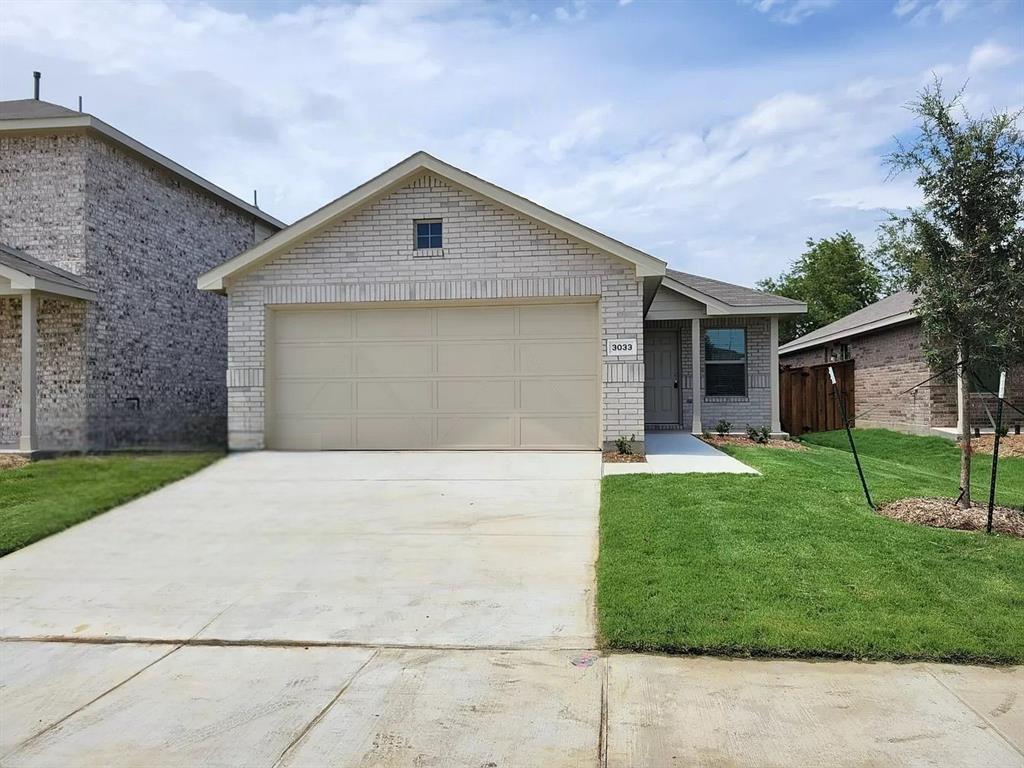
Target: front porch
[
  {"x": 25, "y": 282},
  {"x": 711, "y": 355}
]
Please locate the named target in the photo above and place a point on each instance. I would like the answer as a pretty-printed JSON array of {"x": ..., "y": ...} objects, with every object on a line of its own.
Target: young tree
[
  {"x": 962, "y": 250},
  {"x": 834, "y": 277}
]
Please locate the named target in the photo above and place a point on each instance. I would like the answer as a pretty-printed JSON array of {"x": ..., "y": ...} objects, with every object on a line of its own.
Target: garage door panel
[
  {"x": 558, "y": 396},
  {"x": 296, "y": 361},
  {"x": 312, "y": 434},
  {"x": 476, "y": 395},
  {"x": 476, "y": 377},
  {"x": 476, "y": 322},
  {"x": 311, "y": 397},
  {"x": 559, "y": 432},
  {"x": 394, "y": 324},
  {"x": 394, "y": 396},
  {"x": 494, "y": 432},
  {"x": 555, "y": 358},
  {"x": 471, "y": 359},
  {"x": 313, "y": 325},
  {"x": 394, "y": 360},
  {"x": 557, "y": 320},
  {"x": 388, "y": 432}
]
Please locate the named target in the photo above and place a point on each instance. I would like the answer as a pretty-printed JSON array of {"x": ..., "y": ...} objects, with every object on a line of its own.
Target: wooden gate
[{"x": 808, "y": 399}]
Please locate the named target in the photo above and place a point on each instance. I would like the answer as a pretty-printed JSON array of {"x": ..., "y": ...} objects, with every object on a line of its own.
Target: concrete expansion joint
[{"x": 977, "y": 713}]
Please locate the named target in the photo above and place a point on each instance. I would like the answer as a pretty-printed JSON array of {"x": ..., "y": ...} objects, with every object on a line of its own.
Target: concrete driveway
[{"x": 413, "y": 610}]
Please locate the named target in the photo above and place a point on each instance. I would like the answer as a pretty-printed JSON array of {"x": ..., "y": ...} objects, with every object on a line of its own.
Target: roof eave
[
  {"x": 800, "y": 344},
  {"x": 90, "y": 122},
  {"x": 718, "y": 307}
]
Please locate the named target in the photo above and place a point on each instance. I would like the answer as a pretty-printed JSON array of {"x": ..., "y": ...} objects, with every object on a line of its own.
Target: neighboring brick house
[
  {"x": 102, "y": 240},
  {"x": 429, "y": 308},
  {"x": 884, "y": 341}
]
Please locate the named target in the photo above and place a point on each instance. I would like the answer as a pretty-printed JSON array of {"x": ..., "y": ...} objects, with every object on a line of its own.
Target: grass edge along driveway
[
  {"x": 792, "y": 563},
  {"x": 45, "y": 497}
]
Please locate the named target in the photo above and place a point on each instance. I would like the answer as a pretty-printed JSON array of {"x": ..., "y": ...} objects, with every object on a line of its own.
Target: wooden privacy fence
[{"x": 809, "y": 403}]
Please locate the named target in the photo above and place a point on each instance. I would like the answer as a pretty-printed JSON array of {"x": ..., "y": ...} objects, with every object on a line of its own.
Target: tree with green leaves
[
  {"x": 962, "y": 249},
  {"x": 834, "y": 277}
]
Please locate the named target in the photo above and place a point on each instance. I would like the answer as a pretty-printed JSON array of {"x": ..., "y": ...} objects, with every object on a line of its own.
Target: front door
[{"x": 661, "y": 377}]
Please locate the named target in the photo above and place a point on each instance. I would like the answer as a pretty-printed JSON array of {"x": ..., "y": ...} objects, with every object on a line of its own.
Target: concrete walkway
[
  {"x": 414, "y": 610},
  {"x": 670, "y": 452}
]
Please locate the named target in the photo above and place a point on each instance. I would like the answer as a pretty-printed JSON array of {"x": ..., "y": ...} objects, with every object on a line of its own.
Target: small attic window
[{"x": 428, "y": 234}]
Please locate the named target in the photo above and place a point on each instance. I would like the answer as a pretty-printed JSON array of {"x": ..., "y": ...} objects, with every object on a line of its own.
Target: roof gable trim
[
  {"x": 857, "y": 330},
  {"x": 717, "y": 307},
  {"x": 393, "y": 178}
]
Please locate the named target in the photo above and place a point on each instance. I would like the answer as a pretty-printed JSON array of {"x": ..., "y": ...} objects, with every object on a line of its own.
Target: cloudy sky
[{"x": 718, "y": 136}]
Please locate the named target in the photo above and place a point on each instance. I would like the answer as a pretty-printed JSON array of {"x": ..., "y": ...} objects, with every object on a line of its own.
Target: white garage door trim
[{"x": 472, "y": 375}]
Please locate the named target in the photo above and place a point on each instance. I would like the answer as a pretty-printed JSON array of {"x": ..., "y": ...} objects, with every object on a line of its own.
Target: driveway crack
[{"x": 323, "y": 712}]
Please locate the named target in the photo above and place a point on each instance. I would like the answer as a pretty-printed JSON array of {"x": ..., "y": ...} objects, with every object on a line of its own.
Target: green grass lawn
[
  {"x": 45, "y": 497},
  {"x": 793, "y": 563}
]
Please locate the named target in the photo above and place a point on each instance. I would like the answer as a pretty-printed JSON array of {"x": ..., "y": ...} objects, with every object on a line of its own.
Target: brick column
[
  {"x": 773, "y": 373},
  {"x": 29, "y": 307}
]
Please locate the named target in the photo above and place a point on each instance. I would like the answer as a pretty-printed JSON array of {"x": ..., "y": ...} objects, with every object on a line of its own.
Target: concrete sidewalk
[
  {"x": 121, "y": 705},
  {"x": 673, "y": 452}
]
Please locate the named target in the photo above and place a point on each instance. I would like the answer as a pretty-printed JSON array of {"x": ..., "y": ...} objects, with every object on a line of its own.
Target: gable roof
[
  {"x": 28, "y": 273},
  {"x": 36, "y": 116},
  {"x": 395, "y": 177},
  {"x": 728, "y": 299},
  {"x": 897, "y": 308}
]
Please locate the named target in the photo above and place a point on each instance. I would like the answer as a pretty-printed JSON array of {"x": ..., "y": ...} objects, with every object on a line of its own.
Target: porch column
[
  {"x": 695, "y": 344},
  {"x": 773, "y": 376},
  {"x": 29, "y": 306}
]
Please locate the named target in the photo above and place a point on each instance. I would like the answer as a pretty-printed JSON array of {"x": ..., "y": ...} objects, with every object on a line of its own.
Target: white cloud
[
  {"x": 920, "y": 12},
  {"x": 903, "y": 7},
  {"x": 577, "y": 11},
  {"x": 791, "y": 11},
  {"x": 991, "y": 55}
]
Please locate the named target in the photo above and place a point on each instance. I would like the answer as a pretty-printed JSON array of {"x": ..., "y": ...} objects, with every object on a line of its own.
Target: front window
[
  {"x": 725, "y": 361},
  {"x": 428, "y": 234}
]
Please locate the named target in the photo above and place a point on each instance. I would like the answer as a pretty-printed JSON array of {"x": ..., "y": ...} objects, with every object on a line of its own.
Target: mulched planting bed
[
  {"x": 786, "y": 445},
  {"x": 12, "y": 461},
  {"x": 614, "y": 457},
  {"x": 944, "y": 513},
  {"x": 1010, "y": 447}
]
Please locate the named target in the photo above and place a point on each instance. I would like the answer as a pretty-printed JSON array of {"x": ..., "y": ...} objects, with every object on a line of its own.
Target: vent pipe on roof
[
  {"x": 36, "y": 76},
  {"x": 79, "y": 103},
  {"x": 255, "y": 202}
]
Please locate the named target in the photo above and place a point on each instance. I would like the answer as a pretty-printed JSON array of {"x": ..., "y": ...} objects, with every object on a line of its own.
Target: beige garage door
[{"x": 458, "y": 377}]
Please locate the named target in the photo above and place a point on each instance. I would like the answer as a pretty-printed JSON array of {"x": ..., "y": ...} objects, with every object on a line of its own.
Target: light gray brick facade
[
  {"x": 489, "y": 253},
  {"x": 142, "y": 366}
]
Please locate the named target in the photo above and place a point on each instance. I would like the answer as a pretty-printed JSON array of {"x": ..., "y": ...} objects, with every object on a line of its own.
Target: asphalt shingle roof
[
  {"x": 22, "y": 262},
  {"x": 33, "y": 109},
  {"x": 727, "y": 293},
  {"x": 890, "y": 307}
]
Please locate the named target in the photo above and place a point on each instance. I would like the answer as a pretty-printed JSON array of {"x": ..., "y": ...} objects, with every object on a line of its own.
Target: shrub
[
  {"x": 723, "y": 427},
  {"x": 625, "y": 444},
  {"x": 759, "y": 434}
]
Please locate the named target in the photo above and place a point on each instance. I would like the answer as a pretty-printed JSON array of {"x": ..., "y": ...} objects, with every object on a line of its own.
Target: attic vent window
[{"x": 428, "y": 234}]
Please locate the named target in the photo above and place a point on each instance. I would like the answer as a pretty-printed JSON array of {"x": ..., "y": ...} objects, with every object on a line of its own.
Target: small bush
[
  {"x": 705, "y": 434},
  {"x": 723, "y": 427},
  {"x": 759, "y": 435},
  {"x": 624, "y": 444}
]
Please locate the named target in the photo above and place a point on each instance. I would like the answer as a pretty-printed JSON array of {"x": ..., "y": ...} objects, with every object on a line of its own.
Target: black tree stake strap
[{"x": 849, "y": 434}]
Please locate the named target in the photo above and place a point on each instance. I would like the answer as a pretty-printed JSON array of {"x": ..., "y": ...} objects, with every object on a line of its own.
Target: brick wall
[
  {"x": 143, "y": 366},
  {"x": 489, "y": 253}
]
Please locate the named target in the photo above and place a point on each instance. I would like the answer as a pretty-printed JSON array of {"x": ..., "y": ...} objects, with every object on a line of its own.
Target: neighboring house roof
[
  {"x": 29, "y": 274},
  {"x": 728, "y": 299},
  {"x": 897, "y": 308},
  {"x": 34, "y": 116},
  {"x": 395, "y": 177}
]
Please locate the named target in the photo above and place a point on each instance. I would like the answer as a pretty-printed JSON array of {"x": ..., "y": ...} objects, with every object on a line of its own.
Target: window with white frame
[{"x": 725, "y": 362}]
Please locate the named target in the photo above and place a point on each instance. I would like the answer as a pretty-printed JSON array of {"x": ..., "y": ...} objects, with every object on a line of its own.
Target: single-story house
[
  {"x": 884, "y": 341},
  {"x": 430, "y": 309},
  {"x": 104, "y": 342}
]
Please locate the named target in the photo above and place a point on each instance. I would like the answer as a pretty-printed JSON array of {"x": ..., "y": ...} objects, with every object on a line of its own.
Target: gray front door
[{"x": 661, "y": 377}]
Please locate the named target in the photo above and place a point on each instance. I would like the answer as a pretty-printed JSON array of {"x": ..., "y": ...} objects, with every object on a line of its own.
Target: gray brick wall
[
  {"x": 488, "y": 253},
  {"x": 890, "y": 361},
  {"x": 143, "y": 366}
]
